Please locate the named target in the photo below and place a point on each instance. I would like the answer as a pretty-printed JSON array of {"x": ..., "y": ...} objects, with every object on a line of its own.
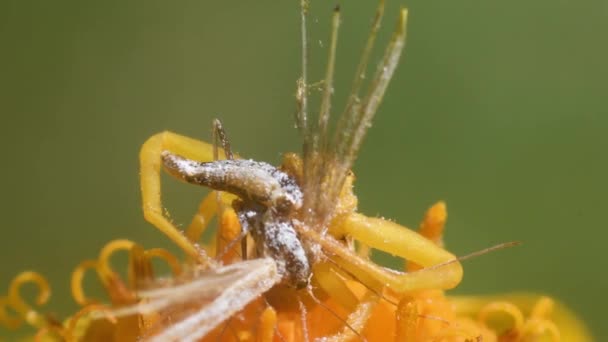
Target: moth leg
[{"x": 150, "y": 168}]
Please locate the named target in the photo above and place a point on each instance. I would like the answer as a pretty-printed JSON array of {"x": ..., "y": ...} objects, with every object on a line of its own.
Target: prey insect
[{"x": 301, "y": 216}]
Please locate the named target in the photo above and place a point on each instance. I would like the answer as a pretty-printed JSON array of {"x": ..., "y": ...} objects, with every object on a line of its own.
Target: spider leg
[
  {"x": 150, "y": 166},
  {"x": 392, "y": 238},
  {"x": 442, "y": 270}
]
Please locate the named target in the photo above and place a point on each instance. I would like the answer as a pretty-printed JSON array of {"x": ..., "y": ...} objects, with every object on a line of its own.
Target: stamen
[
  {"x": 204, "y": 214},
  {"x": 116, "y": 288},
  {"x": 8, "y": 320},
  {"x": 43, "y": 332},
  {"x": 20, "y": 306},
  {"x": 431, "y": 227},
  {"x": 268, "y": 323},
  {"x": 104, "y": 268},
  {"x": 535, "y": 329},
  {"x": 229, "y": 230},
  {"x": 72, "y": 324},
  {"x": 139, "y": 269},
  {"x": 76, "y": 282},
  {"x": 542, "y": 308},
  {"x": 504, "y": 308},
  {"x": 170, "y": 259},
  {"x": 433, "y": 224},
  {"x": 407, "y": 319},
  {"x": 277, "y": 331}
]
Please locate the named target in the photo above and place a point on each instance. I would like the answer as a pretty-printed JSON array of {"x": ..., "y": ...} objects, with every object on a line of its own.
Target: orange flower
[
  {"x": 426, "y": 315},
  {"x": 218, "y": 293}
]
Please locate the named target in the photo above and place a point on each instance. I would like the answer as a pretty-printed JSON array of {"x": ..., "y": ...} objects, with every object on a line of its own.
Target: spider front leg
[
  {"x": 150, "y": 168},
  {"x": 441, "y": 269}
]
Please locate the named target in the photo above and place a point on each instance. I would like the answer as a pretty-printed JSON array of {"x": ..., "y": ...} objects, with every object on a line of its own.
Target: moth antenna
[
  {"x": 346, "y": 324},
  {"x": 220, "y": 137},
  {"x": 458, "y": 259},
  {"x": 475, "y": 254},
  {"x": 371, "y": 289}
]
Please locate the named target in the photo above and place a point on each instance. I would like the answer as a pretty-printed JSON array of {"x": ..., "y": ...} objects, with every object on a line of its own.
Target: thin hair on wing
[
  {"x": 328, "y": 85},
  {"x": 314, "y": 163},
  {"x": 316, "y": 177},
  {"x": 302, "y": 84},
  {"x": 361, "y": 115},
  {"x": 347, "y": 122},
  {"x": 199, "y": 284},
  {"x": 258, "y": 276}
]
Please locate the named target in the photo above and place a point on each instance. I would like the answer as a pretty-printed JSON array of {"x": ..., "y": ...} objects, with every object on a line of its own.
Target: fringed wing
[
  {"x": 328, "y": 162},
  {"x": 190, "y": 310}
]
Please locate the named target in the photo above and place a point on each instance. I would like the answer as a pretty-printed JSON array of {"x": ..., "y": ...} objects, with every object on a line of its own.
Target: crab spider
[
  {"x": 310, "y": 197},
  {"x": 301, "y": 214},
  {"x": 377, "y": 233}
]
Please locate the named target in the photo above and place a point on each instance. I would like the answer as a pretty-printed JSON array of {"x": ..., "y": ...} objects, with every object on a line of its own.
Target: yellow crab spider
[
  {"x": 375, "y": 232},
  {"x": 299, "y": 215},
  {"x": 321, "y": 178},
  {"x": 150, "y": 166}
]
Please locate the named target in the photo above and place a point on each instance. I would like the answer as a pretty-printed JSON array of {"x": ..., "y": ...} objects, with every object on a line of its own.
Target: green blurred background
[{"x": 498, "y": 107}]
